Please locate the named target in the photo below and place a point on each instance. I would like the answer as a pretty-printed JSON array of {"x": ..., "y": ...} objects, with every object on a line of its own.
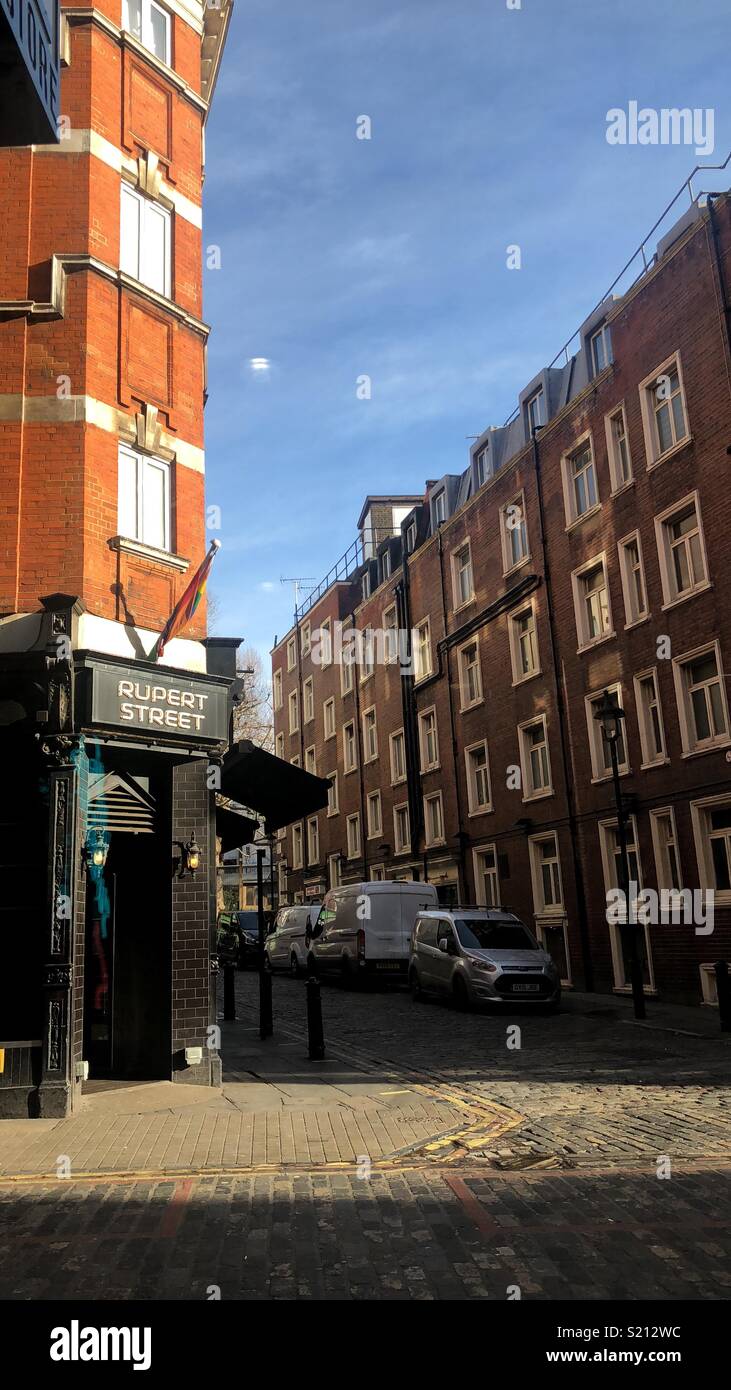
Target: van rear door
[{"x": 383, "y": 931}]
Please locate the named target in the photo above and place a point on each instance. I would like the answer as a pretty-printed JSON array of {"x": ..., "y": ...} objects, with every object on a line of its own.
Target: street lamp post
[{"x": 609, "y": 714}]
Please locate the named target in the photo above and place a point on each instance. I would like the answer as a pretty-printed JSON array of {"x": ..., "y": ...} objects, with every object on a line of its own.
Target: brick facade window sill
[{"x": 128, "y": 546}]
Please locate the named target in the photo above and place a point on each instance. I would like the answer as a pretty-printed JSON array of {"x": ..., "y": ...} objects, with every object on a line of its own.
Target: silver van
[
  {"x": 480, "y": 956},
  {"x": 285, "y": 944}
]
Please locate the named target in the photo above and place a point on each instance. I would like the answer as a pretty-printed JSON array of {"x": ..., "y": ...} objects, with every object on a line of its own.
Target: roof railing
[
  {"x": 646, "y": 264},
  {"x": 362, "y": 549}
]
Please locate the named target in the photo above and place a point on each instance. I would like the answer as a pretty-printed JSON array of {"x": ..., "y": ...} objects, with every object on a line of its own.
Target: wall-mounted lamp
[
  {"x": 96, "y": 850},
  {"x": 191, "y": 857}
]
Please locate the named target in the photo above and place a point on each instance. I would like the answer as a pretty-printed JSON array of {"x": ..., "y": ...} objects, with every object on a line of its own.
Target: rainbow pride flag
[{"x": 186, "y": 605}]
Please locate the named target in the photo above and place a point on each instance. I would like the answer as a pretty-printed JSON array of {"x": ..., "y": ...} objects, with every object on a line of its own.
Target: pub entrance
[{"x": 127, "y": 958}]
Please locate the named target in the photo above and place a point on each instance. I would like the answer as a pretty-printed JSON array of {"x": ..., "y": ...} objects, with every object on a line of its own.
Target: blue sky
[{"x": 387, "y": 257}]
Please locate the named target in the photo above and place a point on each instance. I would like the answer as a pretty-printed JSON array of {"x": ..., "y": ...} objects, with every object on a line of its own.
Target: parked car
[
  {"x": 364, "y": 929},
  {"x": 246, "y": 927},
  {"x": 285, "y": 948},
  {"x": 480, "y": 956}
]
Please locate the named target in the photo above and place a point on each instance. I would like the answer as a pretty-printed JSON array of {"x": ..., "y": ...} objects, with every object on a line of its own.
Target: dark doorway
[{"x": 127, "y": 969}]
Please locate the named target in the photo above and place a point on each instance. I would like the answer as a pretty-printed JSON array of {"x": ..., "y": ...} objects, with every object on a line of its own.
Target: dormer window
[
  {"x": 386, "y": 565},
  {"x": 439, "y": 508},
  {"x": 411, "y": 537},
  {"x": 482, "y": 466},
  {"x": 601, "y": 349},
  {"x": 149, "y": 23},
  {"x": 535, "y": 411},
  {"x": 366, "y": 585}
]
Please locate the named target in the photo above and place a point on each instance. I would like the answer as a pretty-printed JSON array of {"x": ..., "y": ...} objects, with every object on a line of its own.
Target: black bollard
[
  {"x": 315, "y": 1035},
  {"x": 229, "y": 993},
  {"x": 723, "y": 989},
  {"x": 266, "y": 1024}
]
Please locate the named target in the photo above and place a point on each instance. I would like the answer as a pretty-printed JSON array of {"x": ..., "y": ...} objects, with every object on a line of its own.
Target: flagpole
[{"x": 199, "y": 578}]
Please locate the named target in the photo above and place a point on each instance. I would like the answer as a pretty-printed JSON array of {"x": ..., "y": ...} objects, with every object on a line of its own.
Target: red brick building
[
  {"x": 584, "y": 549},
  {"x": 107, "y": 957}
]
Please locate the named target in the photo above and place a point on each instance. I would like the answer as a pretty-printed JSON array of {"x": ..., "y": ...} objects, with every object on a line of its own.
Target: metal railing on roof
[
  {"x": 646, "y": 265},
  {"x": 361, "y": 550}
]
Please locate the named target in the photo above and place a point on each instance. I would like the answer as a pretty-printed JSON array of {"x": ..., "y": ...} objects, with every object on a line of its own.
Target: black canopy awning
[
  {"x": 234, "y": 828},
  {"x": 275, "y": 789}
]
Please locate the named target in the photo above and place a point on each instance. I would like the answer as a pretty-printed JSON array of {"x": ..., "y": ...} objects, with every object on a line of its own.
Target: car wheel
[
  {"x": 295, "y": 968},
  {"x": 460, "y": 994},
  {"x": 415, "y": 985}
]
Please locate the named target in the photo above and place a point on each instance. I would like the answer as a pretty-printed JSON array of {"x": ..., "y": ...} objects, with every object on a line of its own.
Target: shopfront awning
[
  {"x": 277, "y": 791},
  {"x": 234, "y": 828}
]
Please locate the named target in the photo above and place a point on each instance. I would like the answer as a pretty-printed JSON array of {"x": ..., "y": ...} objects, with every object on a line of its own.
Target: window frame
[
  {"x": 146, "y": 209},
  {"x": 146, "y": 24},
  {"x": 308, "y": 700},
  {"x": 313, "y": 857},
  {"x": 626, "y": 576},
  {"x": 659, "y": 849},
  {"x": 654, "y": 455},
  {"x": 531, "y": 423},
  {"x": 540, "y": 908},
  {"x": 644, "y": 719},
  {"x": 524, "y": 752},
  {"x": 600, "y": 773},
  {"x": 458, "y": 602},
  {"x": 475, "y": 808},
  {"x": 334, "y": 809},
  {"x": 429, "y": 713},
  {"x": 350, "y": 767},
  {"x": 401, "y": 847},
  {"x": 700, "y": 809},
  {"x": 514, "y": 641},
  {"x": 277, "y": 689},
  {"x": 293, "y": 703},
  {"x": 575, "y": 518},
  {"x": 430, "y": 841},
  {"x": 143, "y": 461},
  {"x": 478, "y": 877},
  {"x": 397, "y": 734},
  {"x": 586, "y": 643},
  {"x": 425, "y": 674},
  {"x": 464, "y": 703},
  {"x": 298, "y": 840},
  {"x": 369, "y": 757},
  {"x": 291, "y": 654},
  {"x": 329, "y": 704},
  {"x": 684, "y": 703},
  {"x": 353, "y": 819},
  {"x": 372, "y": 834},
  {"x": 617, "y": 483},
  {"x": 663, "y": 520},
  {"x": 509, "y": 564}
]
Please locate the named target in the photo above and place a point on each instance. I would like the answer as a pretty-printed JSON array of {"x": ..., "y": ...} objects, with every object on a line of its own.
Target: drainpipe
[
  {"x": 723, "y": 288},
  {"x": 462, "y": 885},
  {"x": 359, "y": 745},
  {"x": 563, "y": 732},
  {"x": 408, "y": 704}
]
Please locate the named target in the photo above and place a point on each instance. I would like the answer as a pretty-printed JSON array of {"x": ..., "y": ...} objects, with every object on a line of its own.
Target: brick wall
[{"x": 674, "y": 309}]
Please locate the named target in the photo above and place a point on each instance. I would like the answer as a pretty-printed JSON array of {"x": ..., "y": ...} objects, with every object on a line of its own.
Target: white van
[{"x": 364, "y": 929}]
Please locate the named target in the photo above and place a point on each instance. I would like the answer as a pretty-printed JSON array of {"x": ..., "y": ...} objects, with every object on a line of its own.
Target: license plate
[
  {"x": 525, "y": 989},
  {"x": 387, "y": 965}
]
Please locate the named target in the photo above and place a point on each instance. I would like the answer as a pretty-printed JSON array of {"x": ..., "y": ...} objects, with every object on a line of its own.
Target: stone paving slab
[
  {"x": 414, "y": 1234},
  {"x": 286, "y": 1111}
]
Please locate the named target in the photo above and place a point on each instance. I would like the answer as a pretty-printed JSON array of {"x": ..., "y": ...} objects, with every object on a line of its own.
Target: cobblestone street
[{"x": 423, "y": 1159}]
